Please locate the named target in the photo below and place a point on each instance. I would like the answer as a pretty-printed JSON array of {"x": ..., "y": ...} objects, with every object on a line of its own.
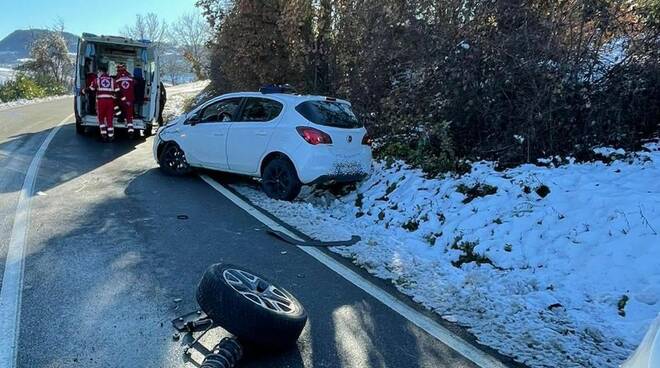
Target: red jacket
[
  {"x": 89, "y": 79},
  {"x": 105, "y": 86},
  {"x": 126, "y": 85}
]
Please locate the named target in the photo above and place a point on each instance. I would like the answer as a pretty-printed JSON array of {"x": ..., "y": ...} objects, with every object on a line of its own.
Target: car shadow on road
[
  {"x": 346, "y": 327},
  {"x": 82, "y": 155},
  {"x": 109, "y": 278}
]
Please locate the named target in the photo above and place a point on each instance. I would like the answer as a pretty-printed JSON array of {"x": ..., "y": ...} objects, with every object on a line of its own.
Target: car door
[
  {"x": 206, "y": 134},
  {"x": 250, "y": 134}
]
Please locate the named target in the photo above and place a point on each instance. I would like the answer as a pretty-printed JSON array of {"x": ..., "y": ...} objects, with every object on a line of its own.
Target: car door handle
[
  {"x": 261, "y": 133},
  {"x": 218, "y": 134}
]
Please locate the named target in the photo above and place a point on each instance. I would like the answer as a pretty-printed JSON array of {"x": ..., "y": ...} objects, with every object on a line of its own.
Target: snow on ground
[
  {"x": 569, "y": 279},
  {"x": 177, "y": 96},
  {"x": 6, "y": 74},
  {"x": 22, "y": 102}
]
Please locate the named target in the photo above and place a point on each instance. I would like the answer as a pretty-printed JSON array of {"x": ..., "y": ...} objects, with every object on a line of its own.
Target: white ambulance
[{"x": 141, "y": 60}]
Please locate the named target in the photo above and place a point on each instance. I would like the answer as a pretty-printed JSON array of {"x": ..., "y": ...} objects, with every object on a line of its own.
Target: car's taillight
[
  {"x": 314, "y": 136},
  {"x": 366, "y": 140}
]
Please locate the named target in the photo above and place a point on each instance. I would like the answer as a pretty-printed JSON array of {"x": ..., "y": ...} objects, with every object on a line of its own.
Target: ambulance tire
[
  {"x": 80, "y": 129},
  {"x": 148, "y": 131}
]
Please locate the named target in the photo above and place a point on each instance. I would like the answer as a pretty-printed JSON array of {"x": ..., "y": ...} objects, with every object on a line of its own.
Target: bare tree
[
  {"x": 50, "y": 60},
  {"x": 192, "y": 33},
  {"x": 58, "y": 25},
  {"x": 174, "y": 68},
  {"x": 147, "y": 27}
]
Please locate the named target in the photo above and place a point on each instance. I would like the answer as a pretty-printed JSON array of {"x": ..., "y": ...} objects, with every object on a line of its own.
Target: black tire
[
  {"x": 274, "y": 324},
  {"x": 172, "y": 161},
  {"x": 148, "y": 130},
  {"x": 80, "y": 129},
  {"x": 279, "y": 180}
]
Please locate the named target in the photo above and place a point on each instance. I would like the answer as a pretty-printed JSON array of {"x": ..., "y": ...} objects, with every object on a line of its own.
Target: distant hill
[{"x": 17, "y": 44}]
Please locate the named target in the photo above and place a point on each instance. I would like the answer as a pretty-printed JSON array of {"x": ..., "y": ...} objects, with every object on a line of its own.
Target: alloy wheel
[
  {"x": 278, "y": 182},
  {"x": 259, "y": 291},
  {"x": 175, "y": 159}
]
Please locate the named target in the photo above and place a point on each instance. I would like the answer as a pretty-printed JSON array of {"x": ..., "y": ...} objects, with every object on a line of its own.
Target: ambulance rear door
[
  {"x": 79, "y": 77},
  {"x": 154, "y": 83}
]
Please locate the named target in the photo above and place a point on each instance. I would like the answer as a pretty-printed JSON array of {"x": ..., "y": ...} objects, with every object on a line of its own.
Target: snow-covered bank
[
  {"x": 556, "y": 267},
  {"x": 23, "y": 102},
  {"x": 177, "y": 96}
]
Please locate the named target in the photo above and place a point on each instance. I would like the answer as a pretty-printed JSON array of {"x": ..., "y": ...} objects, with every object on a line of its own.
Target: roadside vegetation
[
  {"x": 47, "y": 73},
  {"x": 181, "y": 44},
  {"x": 441, "y": 82}
]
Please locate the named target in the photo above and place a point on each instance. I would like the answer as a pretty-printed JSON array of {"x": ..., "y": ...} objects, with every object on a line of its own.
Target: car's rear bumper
[{"x": 318, "y": 165}]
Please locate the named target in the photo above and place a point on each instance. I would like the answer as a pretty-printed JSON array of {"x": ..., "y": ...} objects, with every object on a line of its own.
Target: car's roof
[{"x": 284, "y": 97}]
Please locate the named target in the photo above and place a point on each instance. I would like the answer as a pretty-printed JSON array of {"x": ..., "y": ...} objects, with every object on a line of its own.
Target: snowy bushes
[{"x": 437, "y": 82}]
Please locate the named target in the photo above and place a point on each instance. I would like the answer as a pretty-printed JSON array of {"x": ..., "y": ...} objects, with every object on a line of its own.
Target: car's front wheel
[
  {"x": 279, "y": 180},
  {"x": 172, "y": 161}
]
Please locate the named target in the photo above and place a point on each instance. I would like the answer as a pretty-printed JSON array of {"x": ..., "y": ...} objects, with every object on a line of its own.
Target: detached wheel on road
[
  {"x": 251, "y": 307},
  {"x": 279, "y": 180},
  {"x": 173, "y": 161}
]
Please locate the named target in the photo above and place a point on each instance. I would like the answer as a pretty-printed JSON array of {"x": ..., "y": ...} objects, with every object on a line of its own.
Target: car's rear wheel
[
  {"x": 172, "y": 161},
  {"x": 279, "y": 180}
]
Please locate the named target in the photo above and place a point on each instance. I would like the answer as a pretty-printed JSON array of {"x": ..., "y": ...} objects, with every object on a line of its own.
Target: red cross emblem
[
  {"x": 105, "y": 83},
  {"x": 125, "y": 84}
]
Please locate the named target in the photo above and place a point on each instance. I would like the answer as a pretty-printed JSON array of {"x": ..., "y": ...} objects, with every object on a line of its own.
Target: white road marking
[
  {"x": 12, "y": 280},
  {"x": 427, "y": 324}
]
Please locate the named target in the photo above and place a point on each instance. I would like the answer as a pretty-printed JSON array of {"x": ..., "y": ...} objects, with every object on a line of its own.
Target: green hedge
[{"x": 24, "y": 86}]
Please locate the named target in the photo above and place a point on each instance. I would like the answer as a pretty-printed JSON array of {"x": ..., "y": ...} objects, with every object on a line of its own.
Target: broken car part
[
  {"x": 314, "y": 243},
  {"x": 247, "y": 305},
  {"x": 224, "y": 355}
]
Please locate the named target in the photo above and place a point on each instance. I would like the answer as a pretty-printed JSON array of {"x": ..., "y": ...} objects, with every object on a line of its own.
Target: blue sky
[{"x": 94, "y": 16}]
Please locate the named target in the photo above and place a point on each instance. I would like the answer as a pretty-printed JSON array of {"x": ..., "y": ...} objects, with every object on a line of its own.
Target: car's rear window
[{"x": 329, "y": 113}]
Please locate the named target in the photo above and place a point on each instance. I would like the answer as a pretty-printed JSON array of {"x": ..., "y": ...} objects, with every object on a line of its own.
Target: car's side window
[
  {"x": 260, "y": 109},
  {"x": 221, "y": 111}
]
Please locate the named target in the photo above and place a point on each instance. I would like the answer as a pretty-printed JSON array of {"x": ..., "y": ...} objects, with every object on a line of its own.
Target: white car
[{"x": 286, "y": 140}]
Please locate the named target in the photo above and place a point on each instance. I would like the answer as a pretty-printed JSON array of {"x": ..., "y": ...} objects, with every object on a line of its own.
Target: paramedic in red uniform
[
  {"x": 126, "y": 84},
  {"x": 105, "y": 88}
]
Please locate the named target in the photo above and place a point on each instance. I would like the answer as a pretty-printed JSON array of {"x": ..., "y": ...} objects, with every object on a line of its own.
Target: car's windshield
[{"x": 329, "y": 113}]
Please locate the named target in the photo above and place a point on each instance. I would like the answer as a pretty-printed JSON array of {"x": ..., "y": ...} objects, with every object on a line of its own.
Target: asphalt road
[{"x": 107, "y": 256}]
